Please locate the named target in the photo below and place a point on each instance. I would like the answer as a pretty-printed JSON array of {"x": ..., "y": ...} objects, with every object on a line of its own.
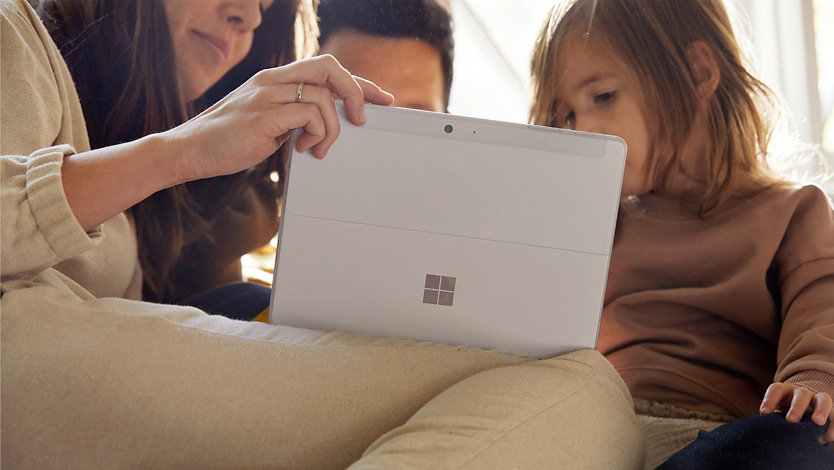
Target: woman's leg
[
  {"x": 111, "y": 383},
  {"x": 566, "y": 412}
]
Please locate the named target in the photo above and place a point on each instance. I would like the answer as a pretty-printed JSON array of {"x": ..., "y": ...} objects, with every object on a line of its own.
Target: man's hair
[{"x": 425, "y": 20}]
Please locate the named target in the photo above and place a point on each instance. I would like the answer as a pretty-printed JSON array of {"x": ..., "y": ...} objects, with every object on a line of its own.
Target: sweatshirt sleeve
[
  {"x": 806, "y": 277},
  {"x": 39, "y": 229}
]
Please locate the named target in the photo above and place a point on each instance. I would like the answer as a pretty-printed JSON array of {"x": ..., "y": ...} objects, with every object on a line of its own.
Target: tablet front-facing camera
[{"x": 448, "y": 128}]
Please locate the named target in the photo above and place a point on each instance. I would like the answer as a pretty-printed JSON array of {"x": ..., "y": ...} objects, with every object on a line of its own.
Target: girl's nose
[
  {"x": 242, "y": 15},
  {"x": 588, "y": 124}
]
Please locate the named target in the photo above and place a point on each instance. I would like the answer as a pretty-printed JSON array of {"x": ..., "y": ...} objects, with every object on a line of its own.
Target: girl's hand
[
  {"x": 251, "y": 123},
  {"x": 797, "y": 399}
]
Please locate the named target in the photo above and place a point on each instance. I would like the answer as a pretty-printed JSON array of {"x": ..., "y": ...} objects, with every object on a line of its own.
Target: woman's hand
[
  {"x": 236, "y": 133},
  {"x": 796, "y": 400},
  {"x": 254, "y": 120}
]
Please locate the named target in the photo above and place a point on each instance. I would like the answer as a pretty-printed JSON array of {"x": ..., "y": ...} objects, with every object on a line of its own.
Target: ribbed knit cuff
[
  {"x": 50, "y": 209},
  {"x": 815, "y": 380}
]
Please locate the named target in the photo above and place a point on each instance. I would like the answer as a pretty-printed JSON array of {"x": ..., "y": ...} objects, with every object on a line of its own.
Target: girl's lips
[{"x": 218, "y": 45}]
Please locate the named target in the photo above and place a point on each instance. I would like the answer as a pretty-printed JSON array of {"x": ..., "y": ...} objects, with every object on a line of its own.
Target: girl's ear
[{"x": 705, "y": 72}]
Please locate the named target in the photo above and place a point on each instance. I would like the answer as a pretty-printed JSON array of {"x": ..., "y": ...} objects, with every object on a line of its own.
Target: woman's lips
[{"x": 217, "y": 45}]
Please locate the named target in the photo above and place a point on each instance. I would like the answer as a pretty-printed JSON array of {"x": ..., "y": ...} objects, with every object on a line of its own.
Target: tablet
[{"x": 450, "y": 229}]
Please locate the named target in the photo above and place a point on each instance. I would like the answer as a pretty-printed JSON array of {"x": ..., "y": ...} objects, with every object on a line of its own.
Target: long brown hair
[
  {"x": 121, "y": 58},
  {"x": 651, "y": 39}
]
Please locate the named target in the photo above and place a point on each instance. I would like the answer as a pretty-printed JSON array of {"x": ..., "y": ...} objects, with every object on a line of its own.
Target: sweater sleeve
[
  {"x": 40, "y": 107},
  {"x": 39, "y": 229},
  {"x": 806, "y": 277},
  {"x": 41, "y": 122}
]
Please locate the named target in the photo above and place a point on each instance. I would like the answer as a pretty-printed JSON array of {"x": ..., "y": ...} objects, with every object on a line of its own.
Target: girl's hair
[
  {"x": 121, "y": 59},
  {"x": 651, "y": 39}
]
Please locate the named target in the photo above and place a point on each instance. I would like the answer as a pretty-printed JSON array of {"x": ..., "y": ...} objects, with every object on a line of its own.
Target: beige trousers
[
  {"x": 111, "y": 383},
  {"x": 668, "y": 428}
]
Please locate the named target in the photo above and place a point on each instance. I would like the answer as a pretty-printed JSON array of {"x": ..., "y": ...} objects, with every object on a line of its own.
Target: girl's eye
[{"x": 605, "y": 97}]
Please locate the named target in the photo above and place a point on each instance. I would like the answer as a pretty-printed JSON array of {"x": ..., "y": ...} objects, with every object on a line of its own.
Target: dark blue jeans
[
  {"x": 756, "y": 442},
  {"x": 238, "y": 301}
]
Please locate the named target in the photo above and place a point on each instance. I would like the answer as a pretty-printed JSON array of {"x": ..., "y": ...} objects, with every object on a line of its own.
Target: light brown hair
[{"x": 651, "y": 38}]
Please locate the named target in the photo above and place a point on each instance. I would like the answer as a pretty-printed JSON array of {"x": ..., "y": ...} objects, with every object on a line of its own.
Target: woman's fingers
[
  {"x": 325, "y": 71},
  {"x": 373, "y": 93},
  {"x": 252, "y": 121},
  {"x": 343, "y": 85},
  {"x": 355, "y": 103},
  {"x": 308, "y": 117},
  {"x": 322, "y": 99}
]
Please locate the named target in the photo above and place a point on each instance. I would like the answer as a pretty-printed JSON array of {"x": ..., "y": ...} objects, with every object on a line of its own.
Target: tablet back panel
[{"x": 492, "y": 235}]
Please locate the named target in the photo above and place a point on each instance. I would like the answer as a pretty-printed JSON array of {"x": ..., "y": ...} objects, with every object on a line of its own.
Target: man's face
[{"x": 409, "y": 69}]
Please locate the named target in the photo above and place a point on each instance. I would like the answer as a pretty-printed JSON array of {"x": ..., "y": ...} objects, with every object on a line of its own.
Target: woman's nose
[{"x": 242, "y": 15}]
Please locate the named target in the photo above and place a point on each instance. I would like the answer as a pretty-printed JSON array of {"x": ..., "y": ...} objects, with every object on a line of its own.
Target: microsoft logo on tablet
[{"x": 439, "y": 290}]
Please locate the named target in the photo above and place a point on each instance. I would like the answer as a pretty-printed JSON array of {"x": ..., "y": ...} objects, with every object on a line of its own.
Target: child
[{"x": 720, "y": 300}]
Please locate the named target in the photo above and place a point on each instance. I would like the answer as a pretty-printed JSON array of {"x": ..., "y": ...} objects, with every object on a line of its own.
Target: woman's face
[{"x": 210, "y": 37}]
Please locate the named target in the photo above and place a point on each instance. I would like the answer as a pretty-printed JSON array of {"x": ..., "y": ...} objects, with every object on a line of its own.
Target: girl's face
[
  {"x": 593, "y": 94},
  {"x": 210, "y": 37}
]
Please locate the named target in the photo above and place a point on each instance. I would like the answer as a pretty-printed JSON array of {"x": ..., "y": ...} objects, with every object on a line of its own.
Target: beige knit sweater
[{"x": 40, "y": 235}]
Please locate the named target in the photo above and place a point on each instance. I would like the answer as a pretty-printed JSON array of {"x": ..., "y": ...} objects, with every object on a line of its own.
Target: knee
[{"x": 539, "y": 414}]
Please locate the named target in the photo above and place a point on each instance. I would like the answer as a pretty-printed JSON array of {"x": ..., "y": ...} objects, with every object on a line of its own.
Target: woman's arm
[{"x": 236, "y": 133}]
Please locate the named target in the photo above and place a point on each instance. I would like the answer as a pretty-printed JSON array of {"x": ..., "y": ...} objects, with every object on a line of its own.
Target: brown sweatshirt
[{"x": 706, "y": 313}]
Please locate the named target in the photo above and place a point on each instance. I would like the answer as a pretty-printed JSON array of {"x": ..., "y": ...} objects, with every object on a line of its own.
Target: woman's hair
[
  {"x": 122, "y": 61},
  {"x": 651, "y": 39}
]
